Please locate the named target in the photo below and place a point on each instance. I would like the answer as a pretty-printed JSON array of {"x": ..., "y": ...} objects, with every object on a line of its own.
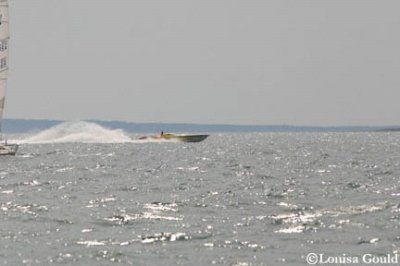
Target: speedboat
[{"x": 174, "y": 137}]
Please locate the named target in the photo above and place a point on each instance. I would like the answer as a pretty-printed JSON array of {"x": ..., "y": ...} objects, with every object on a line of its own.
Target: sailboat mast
[{"x": 4, "y": 45}]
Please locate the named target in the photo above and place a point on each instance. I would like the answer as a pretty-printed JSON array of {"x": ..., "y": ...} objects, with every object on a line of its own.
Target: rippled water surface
[{"x": 234, "y": 199}]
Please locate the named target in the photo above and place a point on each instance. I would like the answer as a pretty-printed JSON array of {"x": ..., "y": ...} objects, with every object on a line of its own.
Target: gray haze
[{"x": 240, "y": 62}]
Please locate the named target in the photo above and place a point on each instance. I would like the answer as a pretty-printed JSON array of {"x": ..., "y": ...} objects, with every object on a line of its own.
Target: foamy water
[
  {"x": 76, "y": 132},
  {"x": 234, "y": 199},
  {"x": 82, "y": 132}
]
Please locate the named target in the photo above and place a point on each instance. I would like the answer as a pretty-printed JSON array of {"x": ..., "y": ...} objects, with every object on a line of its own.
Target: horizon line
[{"x": 210, "y": 124}]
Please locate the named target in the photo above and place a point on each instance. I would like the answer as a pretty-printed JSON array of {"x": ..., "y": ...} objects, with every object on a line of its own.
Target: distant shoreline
[{"x": 30, "y": 125}]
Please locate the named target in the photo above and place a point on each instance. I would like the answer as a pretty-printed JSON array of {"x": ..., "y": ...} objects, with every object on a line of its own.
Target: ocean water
[{"x": 79, "y": 194}]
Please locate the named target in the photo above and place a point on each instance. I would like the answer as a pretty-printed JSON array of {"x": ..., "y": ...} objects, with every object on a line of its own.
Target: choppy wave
[
  {"x": 240, "y": 199},
  {"x": 300, "y": 221}
]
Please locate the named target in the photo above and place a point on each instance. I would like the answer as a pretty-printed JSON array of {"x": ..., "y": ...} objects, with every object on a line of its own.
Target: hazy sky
[{"x": 303, "y": 62}]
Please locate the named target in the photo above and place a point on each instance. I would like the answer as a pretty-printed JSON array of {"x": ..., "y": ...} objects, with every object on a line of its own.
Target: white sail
[
  {"x": 4, "y": 42},
  {"x": 5, "y": 149}
]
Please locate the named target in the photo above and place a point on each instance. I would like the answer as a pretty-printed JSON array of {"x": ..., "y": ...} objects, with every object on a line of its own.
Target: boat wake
[{"x": 77, "y": 132}]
